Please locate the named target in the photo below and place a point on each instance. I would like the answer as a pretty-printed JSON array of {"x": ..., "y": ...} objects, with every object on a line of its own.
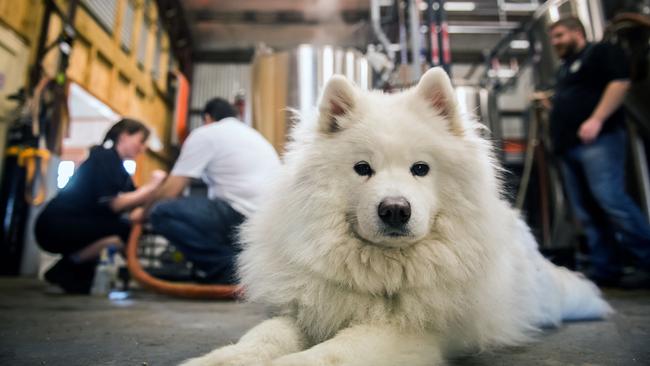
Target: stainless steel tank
[
  {"x": 481, "y": 103},
  {"x": 315, "y": 65},
  {"x": 293, "y": 80}
]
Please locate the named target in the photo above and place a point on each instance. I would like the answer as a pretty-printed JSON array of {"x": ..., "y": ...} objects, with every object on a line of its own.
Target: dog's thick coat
[{"x": 459, "y": 272}]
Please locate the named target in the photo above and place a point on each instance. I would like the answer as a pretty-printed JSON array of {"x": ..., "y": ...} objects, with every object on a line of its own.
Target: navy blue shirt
[
  {"x": 98, "y": 180},
  {"x": 581, "y": 81}
]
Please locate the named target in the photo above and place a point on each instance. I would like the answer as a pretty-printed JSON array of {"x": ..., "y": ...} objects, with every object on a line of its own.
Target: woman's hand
[{"x": 141, "y": 196}]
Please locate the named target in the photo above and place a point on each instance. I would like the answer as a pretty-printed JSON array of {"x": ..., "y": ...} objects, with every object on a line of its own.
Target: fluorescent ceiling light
[
  {"x": 553, "y": 13},
  {"x": 502, "y": 73},
  {"x": 452, "y": 6},
  {"x": 460, "y": 6},
  {"x": 519, "y": 7},
  {"x": 519, "y": 44}
]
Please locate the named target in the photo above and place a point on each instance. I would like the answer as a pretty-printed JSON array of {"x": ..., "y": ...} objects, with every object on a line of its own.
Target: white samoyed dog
[{"x": 386, "y": 241}]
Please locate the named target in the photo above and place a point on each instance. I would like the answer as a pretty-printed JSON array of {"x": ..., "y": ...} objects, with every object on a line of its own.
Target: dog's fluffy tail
[
  {"x": 562, "y": 294},
  {"x": 580, "y": 299}
]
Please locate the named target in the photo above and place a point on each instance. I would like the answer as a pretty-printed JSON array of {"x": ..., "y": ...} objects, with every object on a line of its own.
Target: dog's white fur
[{"x": 466, "y": 275}]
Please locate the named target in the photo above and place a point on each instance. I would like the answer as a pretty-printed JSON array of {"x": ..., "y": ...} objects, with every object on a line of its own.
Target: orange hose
[{"x": 178, "y": 289}]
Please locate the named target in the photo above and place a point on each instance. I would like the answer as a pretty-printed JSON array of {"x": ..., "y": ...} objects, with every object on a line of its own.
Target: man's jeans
[
  {"x": 599, "y": 168},
  {"x": 203, "y": 230}
]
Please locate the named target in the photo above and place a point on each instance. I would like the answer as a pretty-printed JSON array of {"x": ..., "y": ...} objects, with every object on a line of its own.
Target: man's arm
[
  {"x": 611, "y": 100},
  {"x": 172, "y": 187}
]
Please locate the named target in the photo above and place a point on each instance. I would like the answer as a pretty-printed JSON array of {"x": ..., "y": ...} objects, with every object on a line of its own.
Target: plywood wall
[
  {"x": 101, "y": 66},
  {"x": 270, "y": 97}
]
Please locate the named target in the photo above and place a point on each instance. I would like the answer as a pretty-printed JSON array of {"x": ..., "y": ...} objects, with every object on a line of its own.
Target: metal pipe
[
  {"x": 376, "y": 27},
  {"x": 443, "y": 36},
  {"x": 431, "y": 33},
  {"x": 414, "y": 28},
  {"x": 403, "y": 43},
  {"x": 35, "y": 72}
]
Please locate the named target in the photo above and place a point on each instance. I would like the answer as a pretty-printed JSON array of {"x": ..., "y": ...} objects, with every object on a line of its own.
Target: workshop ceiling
[{"x": 232, "y": 26}]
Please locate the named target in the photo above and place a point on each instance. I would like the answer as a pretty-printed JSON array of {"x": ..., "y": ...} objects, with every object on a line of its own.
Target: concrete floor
[{"x": 37, "y": 328}]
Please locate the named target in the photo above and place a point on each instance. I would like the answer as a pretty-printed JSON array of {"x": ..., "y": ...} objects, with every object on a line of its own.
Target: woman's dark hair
[
  {"x": 128, "y": 126},
  {"x": 218, "y": 109}
]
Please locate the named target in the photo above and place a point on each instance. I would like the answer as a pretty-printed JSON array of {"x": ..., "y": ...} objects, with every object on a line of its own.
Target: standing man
[
  {"x": 236, "y": 163},
  {"x": 587, "y": 131}
]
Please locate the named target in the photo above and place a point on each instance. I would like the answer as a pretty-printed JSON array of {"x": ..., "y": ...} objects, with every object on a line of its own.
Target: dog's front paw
[{"x": 227, "y": 356}]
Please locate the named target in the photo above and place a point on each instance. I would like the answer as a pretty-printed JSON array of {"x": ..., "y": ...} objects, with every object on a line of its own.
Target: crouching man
[{"x": 235, "y": 162}]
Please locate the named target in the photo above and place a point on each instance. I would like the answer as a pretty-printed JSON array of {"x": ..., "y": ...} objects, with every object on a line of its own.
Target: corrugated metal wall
[
  {"x": 104, "y": 11},
  {"x": 127, "y": 25},
  {"x": 142, "y": 42},
  {"x": 155, "y": 67},
  {"x": 219, "y": 80}
]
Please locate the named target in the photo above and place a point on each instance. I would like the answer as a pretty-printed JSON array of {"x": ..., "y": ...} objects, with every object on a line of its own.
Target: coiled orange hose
[{"x": 177, "y": 289}]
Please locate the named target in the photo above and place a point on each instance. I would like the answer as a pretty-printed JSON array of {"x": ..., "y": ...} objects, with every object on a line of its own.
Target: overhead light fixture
[
  {"x": 328, "y": 63},
  {"x": 519, "y": 7},
  {"x": 519, "y": 44},
  {"x": 553, "y": 13},
  {"x": 460, "y": 6},
  {"x": 502, "y": 73},
  {"x": 306, "y": 78},
  {"x": 452, "y": 6}
]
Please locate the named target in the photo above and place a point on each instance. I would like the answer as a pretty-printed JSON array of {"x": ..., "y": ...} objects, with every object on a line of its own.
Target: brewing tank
[{"x": 287, "y": 84}]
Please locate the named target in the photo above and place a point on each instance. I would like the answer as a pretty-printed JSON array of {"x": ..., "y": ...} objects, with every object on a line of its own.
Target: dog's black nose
[{"x": 394, "y": 211}]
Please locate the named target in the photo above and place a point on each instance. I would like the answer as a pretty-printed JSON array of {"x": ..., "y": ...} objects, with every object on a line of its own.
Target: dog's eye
[
  {"x": 363, "y": 169},
  {"x": 420, "y": 169}
]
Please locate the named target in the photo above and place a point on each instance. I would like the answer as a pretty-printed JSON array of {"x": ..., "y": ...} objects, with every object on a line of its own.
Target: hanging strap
[{"x": 29, "y": 157}]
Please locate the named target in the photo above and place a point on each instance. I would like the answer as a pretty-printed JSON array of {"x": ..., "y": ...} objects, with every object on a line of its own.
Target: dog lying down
[{"x": 385, "y": 241}]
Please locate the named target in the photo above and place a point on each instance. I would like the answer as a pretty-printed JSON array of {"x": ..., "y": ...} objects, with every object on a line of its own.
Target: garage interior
[{"x": 161, "y": 61}]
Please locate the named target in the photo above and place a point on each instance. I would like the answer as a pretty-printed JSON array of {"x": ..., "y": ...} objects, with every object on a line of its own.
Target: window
[
  {"x": 64, "y": 172},
  {"x": 129, "y": 166}
]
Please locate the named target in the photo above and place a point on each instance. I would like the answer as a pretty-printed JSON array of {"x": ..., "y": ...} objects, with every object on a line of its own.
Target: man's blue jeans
[
  {"x": 598, "y": 169},
  {"x": 203, "y": 230}
]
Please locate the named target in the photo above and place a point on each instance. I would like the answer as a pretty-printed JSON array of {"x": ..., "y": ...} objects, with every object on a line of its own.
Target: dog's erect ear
[
  {"x": 338, "y": 99},
  {"x": 435, "y": 87}
]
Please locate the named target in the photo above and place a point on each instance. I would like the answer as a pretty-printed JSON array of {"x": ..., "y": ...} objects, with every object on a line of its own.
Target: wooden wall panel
[
  {"x": 99, "y": 64},
  {"x": 79, "y": 59},
  {"x": 122, "y": 93},
  {"x": 23, "y": 17},
  {"x": 100, "y": 79},
  {"x": 270, "y": 97}
]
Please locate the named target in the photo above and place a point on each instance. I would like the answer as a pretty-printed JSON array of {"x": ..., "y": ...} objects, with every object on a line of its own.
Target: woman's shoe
[{"x": 73, "y": 278}]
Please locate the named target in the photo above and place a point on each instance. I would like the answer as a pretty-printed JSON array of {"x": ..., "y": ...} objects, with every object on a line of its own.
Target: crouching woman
[{"x": 87, "y": 214}]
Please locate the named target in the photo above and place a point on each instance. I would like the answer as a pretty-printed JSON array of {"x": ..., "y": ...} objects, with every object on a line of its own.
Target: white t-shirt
[{"x": 234, "y": 160}]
